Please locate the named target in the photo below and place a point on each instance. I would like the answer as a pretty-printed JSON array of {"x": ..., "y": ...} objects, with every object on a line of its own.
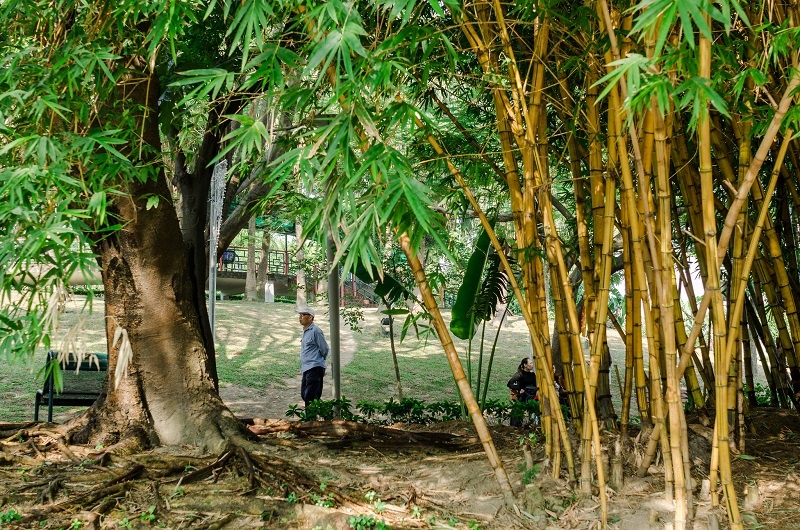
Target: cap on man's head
[{"x": 306, "y": 309}]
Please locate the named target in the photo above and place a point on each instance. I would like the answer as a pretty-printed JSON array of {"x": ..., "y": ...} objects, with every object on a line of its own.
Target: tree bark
[{"x": 165, "y": 391}]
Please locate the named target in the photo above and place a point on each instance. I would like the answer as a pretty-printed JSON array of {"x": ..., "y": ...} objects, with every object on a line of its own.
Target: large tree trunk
[{"x": 165, "y": 393}]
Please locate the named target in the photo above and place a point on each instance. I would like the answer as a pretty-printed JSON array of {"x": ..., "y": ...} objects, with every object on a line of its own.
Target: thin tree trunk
[
  {"x": 250, "y": 288},
  {"x": 300, "y": 256}
]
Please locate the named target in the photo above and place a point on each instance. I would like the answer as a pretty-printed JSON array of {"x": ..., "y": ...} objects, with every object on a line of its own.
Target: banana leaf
[{"x": 463, "y": 316}]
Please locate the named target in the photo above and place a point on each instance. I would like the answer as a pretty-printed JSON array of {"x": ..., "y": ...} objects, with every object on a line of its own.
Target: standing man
[{"x": 313, "y": 352}]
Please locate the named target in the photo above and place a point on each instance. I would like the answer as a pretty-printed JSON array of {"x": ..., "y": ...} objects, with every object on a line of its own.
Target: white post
[{"x": 217, "y": 194}]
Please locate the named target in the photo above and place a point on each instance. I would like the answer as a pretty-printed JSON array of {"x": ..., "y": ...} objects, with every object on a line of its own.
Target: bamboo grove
[
  {"x": 641, "y": 141},
  {"x": 659, "y": 156}
]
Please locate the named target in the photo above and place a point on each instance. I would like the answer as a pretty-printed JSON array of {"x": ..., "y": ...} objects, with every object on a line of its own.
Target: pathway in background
[{"x": 250, "y": 403}]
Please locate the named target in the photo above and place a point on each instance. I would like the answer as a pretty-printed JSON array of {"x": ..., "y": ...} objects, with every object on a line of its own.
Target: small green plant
[
  {"x": 9, "y": 515},
  {"x": 416, "y": 512},
  {"x": 473, "y": 525},
  {"x": 291, "y": 498},
  {"x": 125, "y": 523},
  {"x": 763, "y": 396},
  {"x": 530, "y": 475},
  {"x": 325, "y": 501},
  {"x": 524, "y": 410},
  {"x": 324, "y": 410},
  {"x": 366, "y": 522},
  {"x": 530, "y": 439},
  {"x": 75, "y": 524},
  {"x": 149, "y": 515},
  {"x": 178, "y": 492},
  {"x": 353, "y": 316}
]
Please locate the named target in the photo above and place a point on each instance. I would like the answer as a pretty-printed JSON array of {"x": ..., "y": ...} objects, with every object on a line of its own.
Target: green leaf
[
  {"x": 209, "y": 82},
  {"x": 462, "y": 320}
]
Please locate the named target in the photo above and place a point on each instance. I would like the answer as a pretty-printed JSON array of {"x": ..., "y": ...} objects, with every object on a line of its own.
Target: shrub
[{"x": 410, "y": 410}]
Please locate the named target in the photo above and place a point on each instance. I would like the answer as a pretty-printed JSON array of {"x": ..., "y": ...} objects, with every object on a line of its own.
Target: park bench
[{"x": 81, "y": 387}]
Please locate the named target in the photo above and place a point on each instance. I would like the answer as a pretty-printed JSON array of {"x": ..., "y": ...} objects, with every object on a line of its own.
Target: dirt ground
[{"x": 332, "y": 475}]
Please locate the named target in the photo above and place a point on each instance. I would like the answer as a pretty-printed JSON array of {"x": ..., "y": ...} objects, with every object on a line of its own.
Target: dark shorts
[{"x": 311, "y": 387}]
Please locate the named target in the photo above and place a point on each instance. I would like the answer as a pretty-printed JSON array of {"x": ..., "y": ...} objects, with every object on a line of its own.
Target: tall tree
[{"x": 81, "y": 171}]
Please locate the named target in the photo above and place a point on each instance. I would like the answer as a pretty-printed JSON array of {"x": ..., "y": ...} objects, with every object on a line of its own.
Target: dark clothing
[
  {"x": 523, "y": 387},
  {"x": 311, "y": 387},
  {"x": 518, "y": 384}
]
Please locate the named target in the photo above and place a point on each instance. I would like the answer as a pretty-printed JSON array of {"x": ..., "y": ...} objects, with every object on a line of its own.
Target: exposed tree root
[
  {"x": 341, "y": 434},
  {"x": 9, "y": 431}
]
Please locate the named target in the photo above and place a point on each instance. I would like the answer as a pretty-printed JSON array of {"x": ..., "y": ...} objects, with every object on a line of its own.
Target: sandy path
[{"x": 249, "y": 403}]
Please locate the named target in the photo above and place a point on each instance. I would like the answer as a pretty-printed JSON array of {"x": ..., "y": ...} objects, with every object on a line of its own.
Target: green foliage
[
  {"x": 366, "y": 522},
  {"x": 409, "y": 410},
  {"x": 352, "y": 315},
  {"x": 324, "y": 501},
  {"x": 149, "y": 515},
  {"x": 386, "y": 286},
  {"x": 9, "y": 516},
  {"x": 524, "y": 410},
  {"x": 323, "y": 410},
  {"x": 462, "y": 323},
  {"x": 529, "y": 475},
  {"x": 762, "y": 392}
]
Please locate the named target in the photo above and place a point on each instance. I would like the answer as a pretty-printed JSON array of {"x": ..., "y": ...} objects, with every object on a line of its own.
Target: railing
[
  {"x": 234, "y": 259},
  {"x": 358, "y": 291}
]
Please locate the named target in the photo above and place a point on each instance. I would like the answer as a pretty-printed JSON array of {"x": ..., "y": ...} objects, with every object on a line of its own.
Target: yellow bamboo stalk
[
  {"x": 627, "y": 392},
  {"x": 668, "y": 324},
  {"x": 539, "y": 351},
  {"x": 740, "y": 196},
  {"x": 770, "y": 344},
  {"x": 712, "y": 286},
  {"x": 458, "y": 370},
  {"x": 744, "y": 274},
  {"x": 572, "y": 378},
  {"x": 775, "y": 250}
]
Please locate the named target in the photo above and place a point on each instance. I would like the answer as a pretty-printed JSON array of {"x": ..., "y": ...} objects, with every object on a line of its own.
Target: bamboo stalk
[
  {"x": 778, "y": 368},
  {"x": 712, "y": 286},
  {"x": 458, "y": 371},
  {"x": 741, "y": 193},
  {"x": 526, "y": 312},
  {"x": 744, "y": 274}
]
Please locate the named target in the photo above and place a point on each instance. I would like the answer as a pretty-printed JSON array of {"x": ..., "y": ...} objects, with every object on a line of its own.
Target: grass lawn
[
  {"x": 424, "y": 370},
  {"x": 257, "y": 347}
]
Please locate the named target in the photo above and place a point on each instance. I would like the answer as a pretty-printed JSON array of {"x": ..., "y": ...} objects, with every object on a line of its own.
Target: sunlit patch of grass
[{"x": 424, "y": 370}]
